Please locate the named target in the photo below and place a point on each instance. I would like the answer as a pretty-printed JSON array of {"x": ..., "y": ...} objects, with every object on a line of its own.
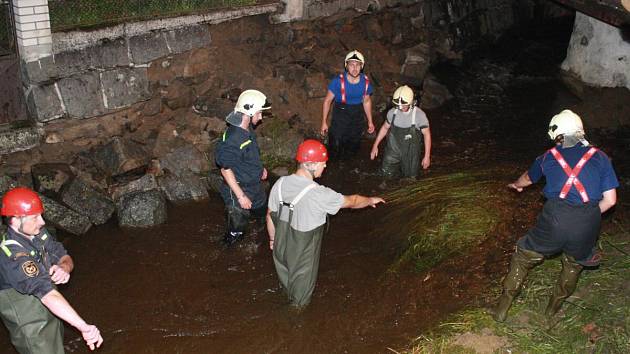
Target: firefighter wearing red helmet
[
  {"x": 32, "y": 262},
  {"x": 296, "y": 218}
]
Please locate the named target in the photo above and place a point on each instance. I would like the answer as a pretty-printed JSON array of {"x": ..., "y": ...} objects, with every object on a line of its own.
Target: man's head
[
  {"x": 566, "y": 128},
  {"x": 249, "y": 107},
  {"x": 354, "y": 63},
  {"x": 312, "y": 156},
  {"x": 24, "y": 209},
  {"x": 403, "y": 98}
]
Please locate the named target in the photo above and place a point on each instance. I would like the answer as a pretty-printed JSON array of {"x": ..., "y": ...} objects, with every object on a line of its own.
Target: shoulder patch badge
[{"x": 30, "y": 269}]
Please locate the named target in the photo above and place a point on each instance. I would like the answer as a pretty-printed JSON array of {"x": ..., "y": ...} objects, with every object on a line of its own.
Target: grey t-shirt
[
  {"x": 310, "y": 212},
  {"x": 404, "y": 119}
]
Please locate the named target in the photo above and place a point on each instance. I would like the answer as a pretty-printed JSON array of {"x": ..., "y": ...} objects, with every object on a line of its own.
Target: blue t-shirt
[
  {"x": 597, "y": 175},
  {"x": 354, "y": 92}
]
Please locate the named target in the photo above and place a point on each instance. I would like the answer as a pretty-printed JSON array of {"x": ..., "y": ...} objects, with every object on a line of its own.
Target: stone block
[
  {"x": 39, "y": 71},
  {"x": 119, "y": 156},
  {"x": 148, "y": 47},
  {"x": 43, "y": 103},
  {"x": 184, "y": 160},
  {"x": 64, "y": 218},
  {"x": 145, "y": 183},
  {"x": 49, "y": 178},
  {"x": 315, "y": 85},
  {"x": 18, "y": 139},
  {"x": 85, "y": 200},
  {"x": 186, "y": 38},
  {"x": 125, "y": 86},
  {"x": 82, "y": 95},
  {"x": 183, "y": 188},
  {"x": 141, "y": 209},
  {"x": 109, "y": 53},
  {"x": 434, "y": 94}
]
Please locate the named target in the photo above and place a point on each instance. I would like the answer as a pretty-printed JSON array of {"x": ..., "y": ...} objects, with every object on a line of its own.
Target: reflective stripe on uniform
[
  {"x": 6, "y": 242},
  {"x": 572, "y": 174},
  {"x": 247, "y": 142}
]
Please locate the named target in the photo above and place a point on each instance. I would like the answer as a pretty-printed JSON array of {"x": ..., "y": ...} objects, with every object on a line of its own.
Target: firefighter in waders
[
  {"x": 350, "y": 94},
  {"x": 296, "y": 218},
  {"x": 580, "y": 186},
  {"x": 32, "y": 262},
  {"x": 238, "y": 156},
  {"x": 407, "y": 130}
]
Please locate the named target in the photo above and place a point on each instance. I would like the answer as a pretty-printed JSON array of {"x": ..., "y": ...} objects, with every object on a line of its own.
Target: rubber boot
[
  {"x": 522, "y": 261},
  {"x": 567, "y": 282}
]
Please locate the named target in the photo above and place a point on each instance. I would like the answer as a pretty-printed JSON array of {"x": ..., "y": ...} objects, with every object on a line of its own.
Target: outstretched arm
[{"x": 356, "y": 201}]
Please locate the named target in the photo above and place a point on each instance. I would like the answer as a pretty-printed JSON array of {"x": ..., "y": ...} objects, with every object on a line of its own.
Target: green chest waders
[
  {"x": 296, "y": 253},
  {"x": 33, "y": 329},
  {"x": 402, "y": 151}
]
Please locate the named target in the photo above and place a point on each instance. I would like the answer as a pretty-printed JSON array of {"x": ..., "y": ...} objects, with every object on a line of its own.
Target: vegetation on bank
[
  {"x": 596, "y": 319},
  {"x": 444, "y": 215},
  {"x": 69, "y": 14}
]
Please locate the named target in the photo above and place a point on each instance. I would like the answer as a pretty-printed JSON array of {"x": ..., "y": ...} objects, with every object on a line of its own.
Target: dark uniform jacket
[{"x": 24, "y": 264}]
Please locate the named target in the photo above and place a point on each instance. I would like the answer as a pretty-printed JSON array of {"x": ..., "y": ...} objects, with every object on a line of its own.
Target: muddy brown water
[{"x": 175, "y": 289}]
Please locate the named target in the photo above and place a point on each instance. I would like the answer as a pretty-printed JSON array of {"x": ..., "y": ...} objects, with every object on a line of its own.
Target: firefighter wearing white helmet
[
  {"x": 407, "y": 130},
  {"x": 349, "y": 94},
  {"x": 580, "y": 186},
  {"x": 238, "y": 156}
]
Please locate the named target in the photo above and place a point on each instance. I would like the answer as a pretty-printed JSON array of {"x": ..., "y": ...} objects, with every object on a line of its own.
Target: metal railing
[{"x": 71, "y": 14}]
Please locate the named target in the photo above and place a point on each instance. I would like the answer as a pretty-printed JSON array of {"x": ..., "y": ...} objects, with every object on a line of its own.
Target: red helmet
[
  {"x": 21, "y": 201},
  {"x": 311, "y": 151}
]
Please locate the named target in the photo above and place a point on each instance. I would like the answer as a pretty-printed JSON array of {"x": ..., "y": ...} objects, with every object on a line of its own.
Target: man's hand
[
  {"x": 244, "y": 202},
  {"x": 264, "y": 174},
  {"x": 426, "y": 162},
  {"x": 513, "y": 186},
  {"x": 59, "y": 275},
  {"x": 370, "y": 128},
  {"x": 92, "y": 336},
  {"x": 323, "y": 130},
  {"x": 374, "y": 152},
  {"x": 376, "y": 200}
]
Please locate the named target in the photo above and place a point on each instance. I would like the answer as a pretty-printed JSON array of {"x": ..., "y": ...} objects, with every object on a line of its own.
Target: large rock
[
  {"x": 417, "y": 62},
  {"x": 184, "y": 160},
  {"x": 64, "y": 218},
  {"x": 120, "y": 156},
  {"x": 7, "y": 183},
  {"x": 82, "y": 95},
  {"x": 49, "y": 178},
  {"x": 141, "y": 209},
  {"x": 18, "y": 139},
  {"x": 315, "y": 85},
  {"x": 183, "y": 188},
  {"x": 434, "y": 93},
  {"x": 598, "y": 53},
  {"x": 82, "y": 198},
  {"x": 125, "y": 86},
  {"x": 145, "y": 183}
]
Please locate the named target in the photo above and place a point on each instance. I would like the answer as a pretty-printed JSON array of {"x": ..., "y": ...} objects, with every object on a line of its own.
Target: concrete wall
[
  {"x": 598, "y": 54},
  {"x": 82, "y": 74}
]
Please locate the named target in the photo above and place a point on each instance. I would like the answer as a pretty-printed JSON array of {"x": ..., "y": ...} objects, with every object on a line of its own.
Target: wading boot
[
  {"x": 566, "y": 284},
  {"x": 522, "y": 261}
]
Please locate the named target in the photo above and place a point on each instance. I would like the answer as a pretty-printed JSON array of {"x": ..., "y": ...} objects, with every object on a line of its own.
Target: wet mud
[{"x": 176, "y": 289}]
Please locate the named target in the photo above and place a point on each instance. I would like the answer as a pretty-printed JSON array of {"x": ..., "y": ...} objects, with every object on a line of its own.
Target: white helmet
[
  {"x": 403, "y": 96},
  {"x": 566, "y": 123},
  {"x": 355, "y": 55},
  {"x": 251, "y": 101}
]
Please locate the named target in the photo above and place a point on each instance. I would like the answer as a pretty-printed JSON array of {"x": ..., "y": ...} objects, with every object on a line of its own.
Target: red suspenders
[
  {"x": 343, "y": 87},
  {"x": 572, "y": 175}
]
